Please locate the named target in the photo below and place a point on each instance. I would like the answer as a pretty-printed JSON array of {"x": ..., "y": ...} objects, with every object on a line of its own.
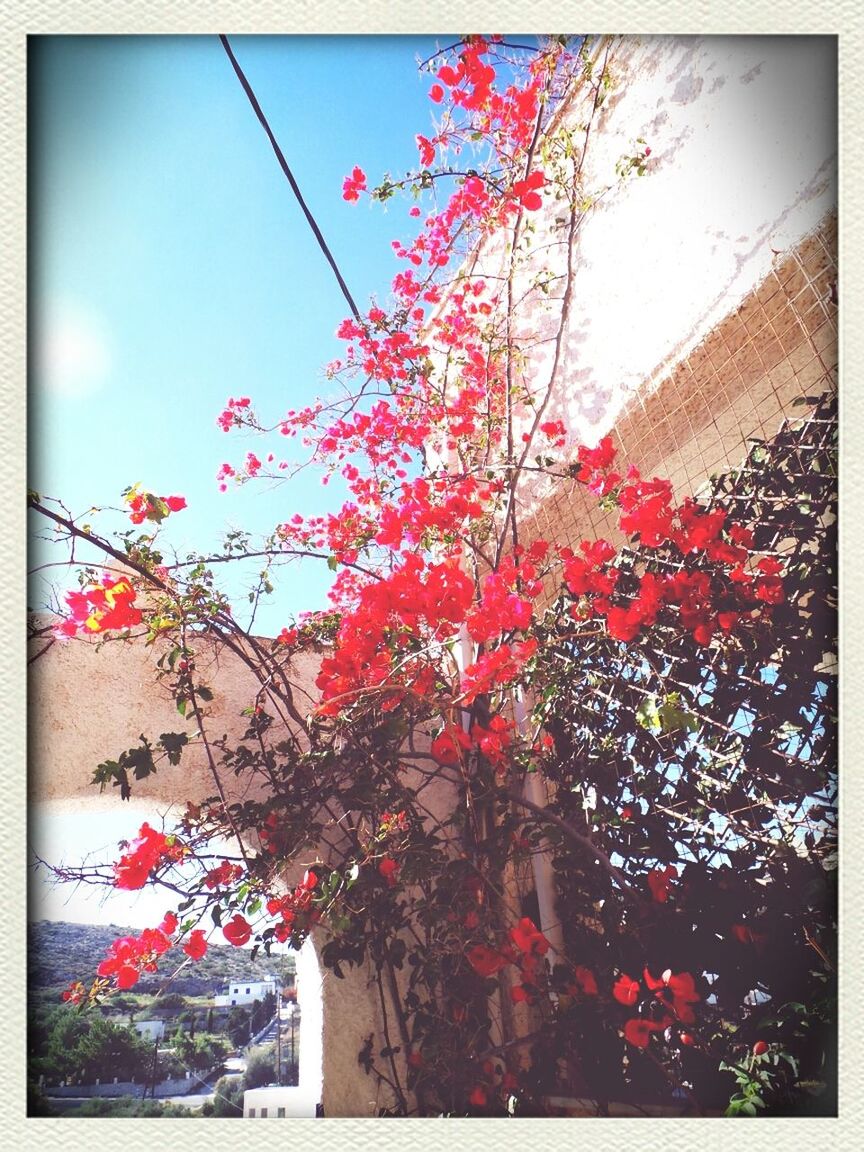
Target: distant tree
[
  {"x": 171, "y": 1001},
  {"x": 238, "y": 1026},
  {"x": 186, "y": 1022},
  {"x": 107, "y": 1050},
  {"x": 201, "y": 1052},
  {"x": 227, "y": 1098},
  {"x": 54, "y": 1042},
  {"x": 128, "y": 1106},
  {"x": 260, "y": 1066}
]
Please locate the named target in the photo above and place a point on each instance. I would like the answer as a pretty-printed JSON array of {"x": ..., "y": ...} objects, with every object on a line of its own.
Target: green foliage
[
  {"x": 238, "y": 1025},
  {"x": 103, "y": 1106},
  {"x": 227, "y": 1099},
  {"x": 260, "y": 1066}
]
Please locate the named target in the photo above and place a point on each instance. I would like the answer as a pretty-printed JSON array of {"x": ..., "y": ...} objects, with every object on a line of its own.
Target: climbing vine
[{"x": 487, "y": 699}]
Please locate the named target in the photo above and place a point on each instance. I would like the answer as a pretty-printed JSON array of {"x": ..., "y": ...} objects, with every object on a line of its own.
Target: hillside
[{"x": 59, "y": 952}]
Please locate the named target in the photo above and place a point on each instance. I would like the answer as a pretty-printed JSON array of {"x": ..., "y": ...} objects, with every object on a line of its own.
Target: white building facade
[{"x": 246, "y": 992}]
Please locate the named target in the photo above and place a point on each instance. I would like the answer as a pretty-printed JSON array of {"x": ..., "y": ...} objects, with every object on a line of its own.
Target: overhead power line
[{"x": 283, "y": 164}]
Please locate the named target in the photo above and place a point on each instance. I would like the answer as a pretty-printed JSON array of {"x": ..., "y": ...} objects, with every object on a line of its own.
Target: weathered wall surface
[
  {"x": 731, "y": 217},
  {"x": 743, "y": 138},
  {"x": 705, "y": 303}
]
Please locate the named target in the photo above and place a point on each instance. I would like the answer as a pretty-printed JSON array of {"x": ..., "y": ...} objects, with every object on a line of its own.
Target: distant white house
[
  {"x": 152, "y": 1029},
  {"x": 278, "y": 1101},
  {"x": 246, "y": 991}
]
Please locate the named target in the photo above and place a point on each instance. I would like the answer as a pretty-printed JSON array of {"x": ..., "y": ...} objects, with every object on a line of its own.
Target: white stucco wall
[
  {"x": 743, "y": 138},
  {"x": 742, "y": 134}
]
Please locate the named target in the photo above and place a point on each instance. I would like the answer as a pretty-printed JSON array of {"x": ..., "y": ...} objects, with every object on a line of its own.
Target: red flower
[
  {"x": 169, "y": 924},
  {"x": 528, "y": 938},
  {"x": 389, "y": 869},
  {"x": 147, "y": 852},
  {"x": 521, "y": 993},
  {"x": 175, "y": 503},
  {"x": 760, "y": 1048},
  {"x": 486, "y": 961},
  {"x": 126, "y": 976},
  {"x": 436, "y": 93},
  {"x": 584, "y": 981},
  {"x": 638, "y": 1030},
  {"x": 74, "y": 994},
  {"x": 659, "y": 881},
  {"x": 354, "y": 184},
  {"x": 676, "y": 991},
  {"x": 745, "y": 935},
  {"x": 477, "y": 1099},
  {"x": 446, "y": 746},
  {"x": 237, "y": 931},
  {"x": 427, "y": 154},
  {"x": 626, "y": 990},
  {"x": 526, "y": 191},
  {"x": 196, "y": 946}
]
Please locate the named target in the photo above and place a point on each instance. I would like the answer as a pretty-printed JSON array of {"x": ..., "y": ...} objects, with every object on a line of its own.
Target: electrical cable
[{"x": 283, "y": 163}]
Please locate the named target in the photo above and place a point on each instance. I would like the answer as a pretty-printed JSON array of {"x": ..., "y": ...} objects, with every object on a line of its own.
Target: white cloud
[{"x": 71, "y": 353}]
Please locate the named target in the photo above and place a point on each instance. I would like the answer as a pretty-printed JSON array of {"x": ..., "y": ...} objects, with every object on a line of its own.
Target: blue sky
[{"x": 171, "y": 266}]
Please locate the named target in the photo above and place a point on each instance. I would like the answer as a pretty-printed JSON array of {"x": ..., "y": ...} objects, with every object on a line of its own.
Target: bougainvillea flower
[
  {"x": 147, "y": 852},
  {"x": 196, "y": 946},
  {"x": 447, "y": 747},
  {"x": 389, "y": 869},
  {"x": 745, "y": 935},
  {"x": 237, "y": 931},
  {"x": 223, "y": 875},
  {"x": 169, "y": 924},
  {"x": 477, "y": 1099},
  {"x": 528, "y": 938},
  {"x": 638, "y": 1031},
  {"x": 100, "y": 608},
  {"x": 678, "y": 991},
  {"x": 486, "y": 961},
  {"x": 626, "y": 990},
  {"x": 354, "y": 184},
  {"x": 659, "y": 881},
  {"x": 584, "y": 981}
]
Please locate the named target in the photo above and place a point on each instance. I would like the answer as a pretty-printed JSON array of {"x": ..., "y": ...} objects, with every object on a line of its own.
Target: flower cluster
[
  {"x": 354, "y": 184},
  {"x": 234, "y": 414},
  {"x": 147, "y": 506},
  {"x": 105, "y": 607},
  {"x": 129, "y": 956},
  {"x": 148, "y": 852},
  {"x": 672, "y": 1002},
  {"x": 716, "y": 597},
  {"x": 294, "y": 909}
]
